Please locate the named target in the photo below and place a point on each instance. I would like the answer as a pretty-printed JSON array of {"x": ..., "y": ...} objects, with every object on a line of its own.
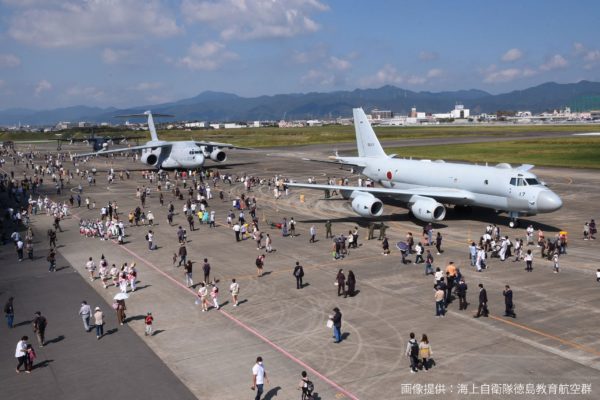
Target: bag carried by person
[{"x": 414, "y": 349}]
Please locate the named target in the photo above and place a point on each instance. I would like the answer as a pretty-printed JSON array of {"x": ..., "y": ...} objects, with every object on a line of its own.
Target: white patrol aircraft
[
  {"x": 425, "y": 186},
  {"x": 161, "y": 154}
]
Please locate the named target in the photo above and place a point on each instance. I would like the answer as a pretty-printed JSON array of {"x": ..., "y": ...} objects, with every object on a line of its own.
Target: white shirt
[
  {"x": 21, "y": 350},
  {"x": 234, "y": 288},
  {"x": 259, "y": 371}
]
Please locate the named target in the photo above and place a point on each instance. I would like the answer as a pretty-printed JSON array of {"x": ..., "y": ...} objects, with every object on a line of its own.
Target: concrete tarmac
[{"x": 553, "y": 342}]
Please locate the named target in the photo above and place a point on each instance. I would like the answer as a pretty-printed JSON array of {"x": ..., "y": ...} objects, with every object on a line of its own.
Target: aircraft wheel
[{"x": 513, "y": 223}]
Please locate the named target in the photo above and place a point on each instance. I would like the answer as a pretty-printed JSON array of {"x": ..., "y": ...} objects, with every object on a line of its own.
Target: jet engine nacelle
[
  {"x": 218, "y": 155},
  {"x": 427, "y": 209},
  {"x": 366, "y": 205},
  {"x": 150, "y": 158}
]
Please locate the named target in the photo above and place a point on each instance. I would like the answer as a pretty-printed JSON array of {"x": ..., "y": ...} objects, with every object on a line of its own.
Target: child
[
  {"x": 214, "y": 293},
  {"x": 174, "y": 258},
  {"x": 148, "y": 321}
]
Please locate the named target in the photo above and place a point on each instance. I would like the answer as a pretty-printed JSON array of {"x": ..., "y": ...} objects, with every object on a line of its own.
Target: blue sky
[{"x": 56, "y": 53}]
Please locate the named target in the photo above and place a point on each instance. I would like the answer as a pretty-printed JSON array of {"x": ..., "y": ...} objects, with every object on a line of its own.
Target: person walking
[
  {"x": 206, "y": 270},
  {"x": 90, "y": 266},
  {"x": 483, "y": 308},
  {"x": 299, "y": 274},
  {"x": 412, "y": 352},
  {"x": 260, "y": 263},
  {"x": 555, "y": 265},
  {"x": 438, "y": 243},
  {"x": 269, "y": 244},
  {"x": 328, "y": 233},
  {"x": 259, "y": 376},
  {"x": 188, "y": 274},
  {"x": 39, "y": 327},
  {"x": 234, "y": 289},
  {"x": 85, "y": 311},
  {"x": 461, "y": 292},
  {"x": 313, "y": 234},
  {"x": 182, "y": 254},
  {"x": 99, "y": 322},
  {"x": 439, "y": 301},
  {"x": 21, "y": 354},
  {"x": 121, "y": 308},
  {"x": 425, "y": 352},
  {"x": 9, "y": 312},
  {"x": 214, "y": 294},
  {"x": 508, "y": 302},
  {"x": 341, "y": 282},
  {"x": 429, "y": 263},
  {"x": 51, "y": 258},
  {"x": 150, "y": 239},
  {"x": 337, "y": 325},
  {"x": 350, "y": 284},
  {"x": 148, "y": 324},
  {"x": 528, "y": 261},
  {"x": 385, "y": 245},
  {"x": 203, "y": 297}
]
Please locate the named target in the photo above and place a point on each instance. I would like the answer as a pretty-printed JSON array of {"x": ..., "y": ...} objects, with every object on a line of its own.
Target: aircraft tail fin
[
  {"x": 366, "y": 141},
  {"x": 151, "y": 126}
]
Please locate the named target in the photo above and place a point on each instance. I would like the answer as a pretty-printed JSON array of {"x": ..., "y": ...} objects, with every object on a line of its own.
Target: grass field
[
  {"x": 266, "y": 137},
  {"x": 576, "y": 152}
]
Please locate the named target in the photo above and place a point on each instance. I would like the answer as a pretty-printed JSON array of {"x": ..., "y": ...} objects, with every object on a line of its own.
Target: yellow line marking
[{"x": 549, "y": 336}]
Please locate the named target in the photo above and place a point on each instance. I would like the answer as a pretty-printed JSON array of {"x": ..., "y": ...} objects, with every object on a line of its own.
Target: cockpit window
[
  {"x": 532, "y": 181},
  {"x": 513, "y": 181},
  {"x": 521, "y": 182}
]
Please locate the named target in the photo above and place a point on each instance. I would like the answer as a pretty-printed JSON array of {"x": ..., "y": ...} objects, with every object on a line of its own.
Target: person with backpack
[
  {"x": 298, "y": 273},
  {"x": 306, "y": 386},
  {"x": 412, "y": 352}
]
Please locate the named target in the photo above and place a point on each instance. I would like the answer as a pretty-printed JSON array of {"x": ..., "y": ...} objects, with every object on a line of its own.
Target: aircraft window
[
  {"x": 513, "y": 181},
  {"x": 532, "y": 181},
  {"x": 486, "y": 182}
]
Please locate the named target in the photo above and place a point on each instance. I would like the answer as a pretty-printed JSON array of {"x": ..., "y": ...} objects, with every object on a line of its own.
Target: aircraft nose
[{"x": 548, "y": 201}]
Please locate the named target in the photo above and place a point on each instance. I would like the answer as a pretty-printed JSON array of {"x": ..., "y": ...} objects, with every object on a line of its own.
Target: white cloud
[
  {"x": 387, "y": 75},
  {"x": 317, "y": 77},
  {"x": 143, "y": 86},
  {"x": 579, "y": 48},
  {"x": 255, "y": 19},
  {"x": 41, "y": 87},
  {"x": 116, "y": 56},
  {"x": 555, "y": 62},
  {"x": 512, "y": 55},
  {"x": 435, "y": 73},
  {"x": 9, "y": 61},
  {"x": 428, "y": 56},
  {"x": 208, "y": 56},
  {"x": 494, "y": 75},
  {"x": 86, "y": 92},
  {"x": 338, "y": 64},
  {"x": 592, "y": 55},
  {"x": 72, "y": 23}
]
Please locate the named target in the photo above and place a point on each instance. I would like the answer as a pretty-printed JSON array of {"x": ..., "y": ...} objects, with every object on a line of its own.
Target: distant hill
[{"x": 217, "y": 106}]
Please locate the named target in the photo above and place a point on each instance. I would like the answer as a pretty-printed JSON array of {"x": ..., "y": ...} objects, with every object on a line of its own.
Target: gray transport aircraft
[
  {"x": 161, "y": 154},
  {"x": 426, "y": 186}
]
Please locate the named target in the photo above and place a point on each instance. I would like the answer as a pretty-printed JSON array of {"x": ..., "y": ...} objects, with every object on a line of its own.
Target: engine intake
[
  {"x": 366, "y": 205},
  {"x": 149, "y": 158},
  {"x": 218, "y": 155},
  {"x": 427, "y": 209}
]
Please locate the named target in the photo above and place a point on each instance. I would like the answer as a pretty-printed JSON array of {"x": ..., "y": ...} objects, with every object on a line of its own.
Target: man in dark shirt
[
  {"x": 39, "y": 327},
  {"x": 337, "y": 325},
  {"x": 508, "y": 302},
  {"x": 482, "y": 309},
  {"x": 206, "y": 270},
  {"x": 298, "y": 273}
]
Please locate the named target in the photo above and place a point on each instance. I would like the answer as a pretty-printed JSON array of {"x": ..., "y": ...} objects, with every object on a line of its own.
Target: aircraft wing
[
  {"x": 123, "y": 149},
  {"x": 440, "y": 194},
  {"x": 223, "y": 145}
]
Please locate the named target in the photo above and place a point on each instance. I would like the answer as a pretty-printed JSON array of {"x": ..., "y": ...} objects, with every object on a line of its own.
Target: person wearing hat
[
  {"x": 148, "y": 322},
  {"x": 99, "y": 322}
]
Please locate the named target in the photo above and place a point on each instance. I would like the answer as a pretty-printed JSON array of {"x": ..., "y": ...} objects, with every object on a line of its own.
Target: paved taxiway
[{"x": 553, "y": 341}]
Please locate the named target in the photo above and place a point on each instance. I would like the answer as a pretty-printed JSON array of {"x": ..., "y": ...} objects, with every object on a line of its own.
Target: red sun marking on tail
[{"x": 389, "y": 175}]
